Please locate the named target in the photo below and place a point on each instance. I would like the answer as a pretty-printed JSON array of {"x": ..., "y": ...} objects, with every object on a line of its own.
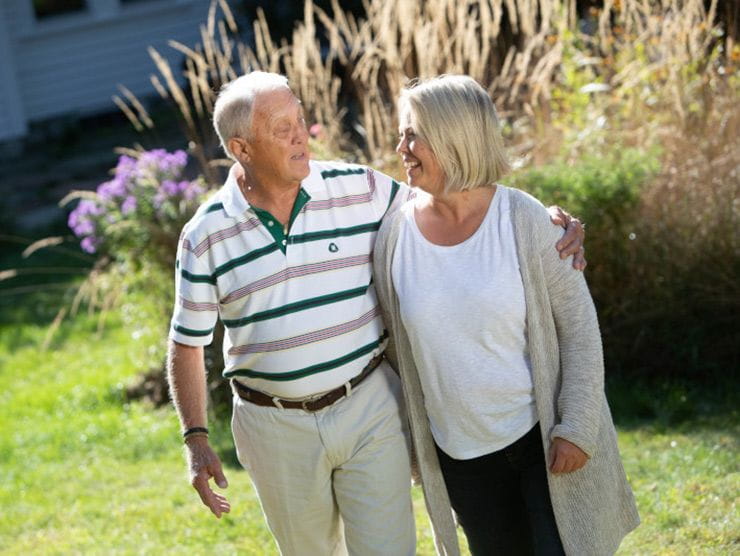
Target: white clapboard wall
[{"x": 72, "y": 64}]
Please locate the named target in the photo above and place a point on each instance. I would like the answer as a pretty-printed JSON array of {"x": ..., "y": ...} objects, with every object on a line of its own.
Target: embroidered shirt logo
[{"x": 333, "y": 247}]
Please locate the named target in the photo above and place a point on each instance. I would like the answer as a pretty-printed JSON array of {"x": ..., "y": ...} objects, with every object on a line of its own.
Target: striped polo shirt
[{"x": 299, "y": 308}]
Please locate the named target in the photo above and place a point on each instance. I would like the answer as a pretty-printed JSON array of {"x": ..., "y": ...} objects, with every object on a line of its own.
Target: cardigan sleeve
[
  {"x": 581, "y": 395},
  {"x": 382, "y": 281}
]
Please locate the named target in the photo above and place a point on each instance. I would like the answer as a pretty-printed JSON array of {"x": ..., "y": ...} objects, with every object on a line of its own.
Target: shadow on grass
[
  {"x": 35, "y": 286},
  {"x": 663, "y": 404}
]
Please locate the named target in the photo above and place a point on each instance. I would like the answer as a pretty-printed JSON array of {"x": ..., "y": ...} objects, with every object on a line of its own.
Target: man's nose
[{"x": 301, "y": 136}]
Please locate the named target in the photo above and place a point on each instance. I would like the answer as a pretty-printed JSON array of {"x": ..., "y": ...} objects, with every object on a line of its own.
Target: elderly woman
[{"x": 497, "y": 343}]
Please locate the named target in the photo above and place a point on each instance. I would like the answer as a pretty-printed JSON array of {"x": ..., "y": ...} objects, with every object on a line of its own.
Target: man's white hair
[
  {"x": 457, "y": 119},
  {"x": 232, "y": 113}
]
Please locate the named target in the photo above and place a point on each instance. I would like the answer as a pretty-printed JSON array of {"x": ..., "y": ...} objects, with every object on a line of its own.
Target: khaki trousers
[{"x": 336, "y": 481}]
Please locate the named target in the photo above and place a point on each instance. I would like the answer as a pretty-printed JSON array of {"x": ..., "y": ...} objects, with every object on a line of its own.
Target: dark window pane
[{"x": 50, "y": 8}]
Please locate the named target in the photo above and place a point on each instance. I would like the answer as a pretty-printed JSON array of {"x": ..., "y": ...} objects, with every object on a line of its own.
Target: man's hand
[
  {"x": 566, "y": 457},
  {"x": 204, "y": 465},
  {"x": 572, "y": 241}
]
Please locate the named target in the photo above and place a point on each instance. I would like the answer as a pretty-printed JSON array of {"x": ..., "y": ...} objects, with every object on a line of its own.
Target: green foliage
[
  {"x": 604, "y": 193},
  {"x": 602, "y": 190},
  {"x": 662, "y": 251}
]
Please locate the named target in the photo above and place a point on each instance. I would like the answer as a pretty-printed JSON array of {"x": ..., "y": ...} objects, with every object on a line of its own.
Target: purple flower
[
  {"x": 178, "y": 160},
  {"x": 129, "y": 205},
  {"x": 170, "y": 188},
  {"x": 81, "y": 219},
  {"x": 125, "y": 168},
  {"x": 83, "y": 227},
  {"x": 89, "y": 244},
  {"x": 88, "y": 206},
  {"x": 113, "y": 189},
  {"x": 193, "y": 190},
  {"x": 159, "y": 199},
  {"x": 149, "y": 178},
  {"x": 159, "y": 160}
]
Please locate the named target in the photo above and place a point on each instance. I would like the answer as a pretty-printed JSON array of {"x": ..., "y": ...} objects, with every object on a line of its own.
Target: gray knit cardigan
[{"x": 594, "y": 506}]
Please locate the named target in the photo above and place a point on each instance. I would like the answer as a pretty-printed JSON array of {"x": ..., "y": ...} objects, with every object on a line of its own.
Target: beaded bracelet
[{"x": 195, "y": 431}]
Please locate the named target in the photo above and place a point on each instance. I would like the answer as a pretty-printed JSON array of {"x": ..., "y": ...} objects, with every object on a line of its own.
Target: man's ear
[{"x": 241, "y": 149}]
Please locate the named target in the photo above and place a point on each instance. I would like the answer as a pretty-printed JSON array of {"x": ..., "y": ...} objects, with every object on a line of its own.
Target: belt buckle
[{"x": 304, "y": 406}]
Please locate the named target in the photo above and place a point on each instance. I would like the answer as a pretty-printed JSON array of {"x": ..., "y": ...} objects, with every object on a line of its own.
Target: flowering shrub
[{"x": 138, "y": 214}]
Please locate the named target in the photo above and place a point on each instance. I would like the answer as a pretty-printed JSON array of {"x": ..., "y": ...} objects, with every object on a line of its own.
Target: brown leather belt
[{"x": 310, "y": 405}]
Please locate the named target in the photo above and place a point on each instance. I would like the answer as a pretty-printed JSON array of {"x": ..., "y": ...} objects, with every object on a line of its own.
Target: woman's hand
[{"x": 566, "y": 457}]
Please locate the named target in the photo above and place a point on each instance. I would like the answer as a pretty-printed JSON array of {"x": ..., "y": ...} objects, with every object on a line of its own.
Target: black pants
[{"x": 502, "y": 501}]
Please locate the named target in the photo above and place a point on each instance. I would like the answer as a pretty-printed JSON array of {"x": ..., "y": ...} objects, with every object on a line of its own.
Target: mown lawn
[{"x": 84, "y": 471}]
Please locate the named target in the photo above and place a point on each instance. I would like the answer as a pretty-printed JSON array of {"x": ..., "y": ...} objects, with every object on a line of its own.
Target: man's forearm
[{"x": 186, "y": 375}]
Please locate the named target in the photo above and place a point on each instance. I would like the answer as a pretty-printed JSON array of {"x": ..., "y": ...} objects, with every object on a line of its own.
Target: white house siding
[
  {"x": 72, "y": 64},
  {"x": 12, "y": 117}
]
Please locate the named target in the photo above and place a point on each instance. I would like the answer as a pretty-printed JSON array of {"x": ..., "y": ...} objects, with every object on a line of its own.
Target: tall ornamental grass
[{"x": 626, "y": 113}]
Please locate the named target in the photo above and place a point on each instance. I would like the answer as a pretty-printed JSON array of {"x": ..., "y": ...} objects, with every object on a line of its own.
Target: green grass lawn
[{"x": 84, "y": 471}]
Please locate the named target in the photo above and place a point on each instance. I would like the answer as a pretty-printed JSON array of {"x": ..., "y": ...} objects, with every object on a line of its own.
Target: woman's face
[{"x": 422, "y": 168}]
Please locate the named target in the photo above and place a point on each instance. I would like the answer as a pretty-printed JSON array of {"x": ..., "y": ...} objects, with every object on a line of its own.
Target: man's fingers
[
  {"x": 205, "y": 465},
  {"x": 572, "y": 240},
  {"x": 217, "y": 503},
  {"x": 579, "y": 259},
  {"x": 200, "y": 484},
  {"x": 214, "y": 501},
  {"x": 558, "y": 216},
  {"x": 218, "y": 475},
  {"x": 222, "y": 502}
]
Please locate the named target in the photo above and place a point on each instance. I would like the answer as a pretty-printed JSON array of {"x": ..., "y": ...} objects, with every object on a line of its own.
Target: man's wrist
[{"x": 194, "y": 432}]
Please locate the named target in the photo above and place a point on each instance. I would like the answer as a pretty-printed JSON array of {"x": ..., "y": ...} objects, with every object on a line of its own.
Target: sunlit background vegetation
[{"x": 625, "y": 112}]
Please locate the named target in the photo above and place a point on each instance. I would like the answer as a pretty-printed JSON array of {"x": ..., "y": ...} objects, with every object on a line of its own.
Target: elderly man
[{"x": 281, "y": 254}]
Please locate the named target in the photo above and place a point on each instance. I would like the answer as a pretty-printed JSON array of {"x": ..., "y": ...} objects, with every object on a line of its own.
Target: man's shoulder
[
  {"x": 209, "y": 216},
  {"x": 327, "y": 169}
]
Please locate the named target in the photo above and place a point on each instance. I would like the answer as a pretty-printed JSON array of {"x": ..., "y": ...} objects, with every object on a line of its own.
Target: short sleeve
[
  {"x": 196, "y": 297},
  {"x": 389, "y": 194}
]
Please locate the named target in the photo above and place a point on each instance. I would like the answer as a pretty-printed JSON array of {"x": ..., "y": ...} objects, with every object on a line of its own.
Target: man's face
[{"x": 278, "y": 148}]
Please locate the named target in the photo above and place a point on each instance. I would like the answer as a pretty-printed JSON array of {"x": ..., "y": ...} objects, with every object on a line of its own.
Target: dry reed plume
[{"x": 516, "y": 48}]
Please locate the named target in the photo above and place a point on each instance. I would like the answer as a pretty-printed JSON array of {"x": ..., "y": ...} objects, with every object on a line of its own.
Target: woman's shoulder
[
  {"x": 523, "y": 201},
  {"x": 532, "y": 221},
  {"x": 526, "y": 207}
]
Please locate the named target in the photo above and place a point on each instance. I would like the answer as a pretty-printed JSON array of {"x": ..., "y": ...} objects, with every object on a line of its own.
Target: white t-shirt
[{"x": 464, "y": 310}]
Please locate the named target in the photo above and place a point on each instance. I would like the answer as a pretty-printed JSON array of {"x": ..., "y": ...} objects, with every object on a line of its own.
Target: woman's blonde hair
[{"x": 456, "y": 117}]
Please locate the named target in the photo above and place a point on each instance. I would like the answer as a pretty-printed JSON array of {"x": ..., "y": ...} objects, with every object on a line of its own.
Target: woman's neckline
[{"x": 416, "y": 214}]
